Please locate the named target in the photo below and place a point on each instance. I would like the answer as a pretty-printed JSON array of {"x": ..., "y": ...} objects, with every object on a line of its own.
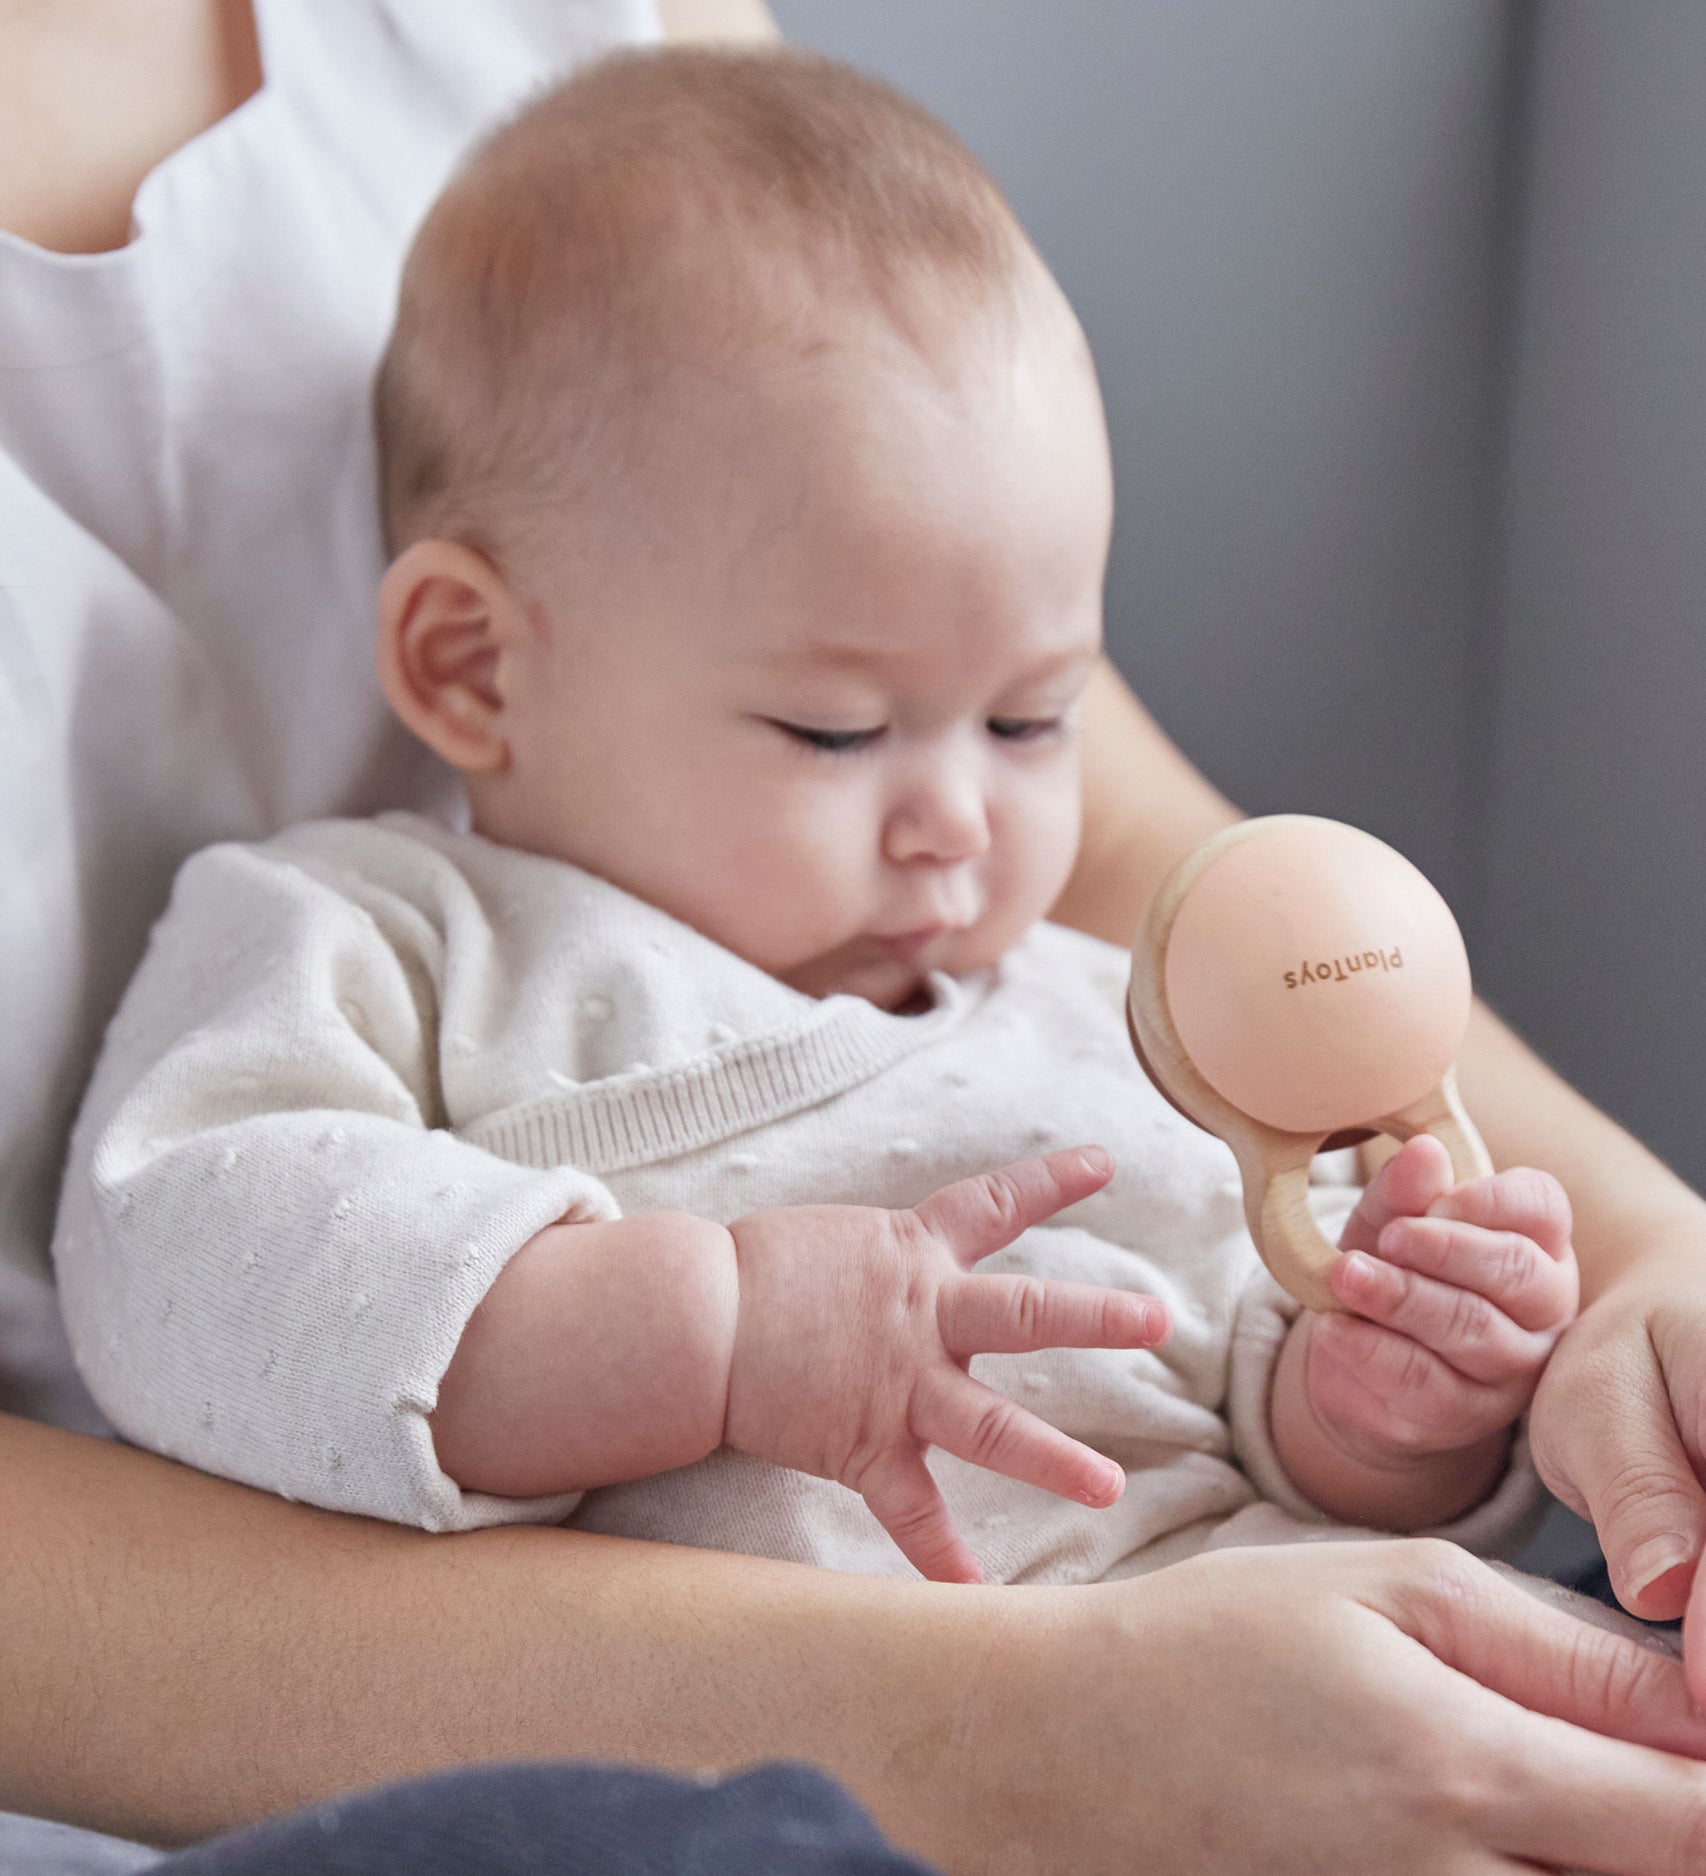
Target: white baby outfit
[
  {"x": 189, "y": 544},
  {"x": 365, "y": 1061},
  {"x": 189, "y": 531}
]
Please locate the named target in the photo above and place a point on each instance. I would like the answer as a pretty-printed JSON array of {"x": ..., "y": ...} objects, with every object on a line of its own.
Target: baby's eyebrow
[
  {"x": 839, "y": 655},
  {"x": 823, "y": 651}
]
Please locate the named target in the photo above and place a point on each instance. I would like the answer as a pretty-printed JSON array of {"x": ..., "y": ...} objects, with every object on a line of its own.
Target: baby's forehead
[
  {"x": 676, "y": 205},
  {"x": 911, "y": 648}
]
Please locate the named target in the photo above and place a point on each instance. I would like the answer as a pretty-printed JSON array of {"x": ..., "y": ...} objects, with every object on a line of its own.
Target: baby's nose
[{"x": 944, "y": 821}]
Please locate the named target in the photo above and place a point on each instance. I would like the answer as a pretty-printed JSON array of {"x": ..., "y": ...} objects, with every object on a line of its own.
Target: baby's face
[{"x": 823, "y": 704}]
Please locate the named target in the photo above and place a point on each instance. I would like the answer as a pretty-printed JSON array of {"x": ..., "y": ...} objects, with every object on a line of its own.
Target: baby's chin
[
  {"x": 886, "y": 982},
  {"x": 897, "y": 984}
]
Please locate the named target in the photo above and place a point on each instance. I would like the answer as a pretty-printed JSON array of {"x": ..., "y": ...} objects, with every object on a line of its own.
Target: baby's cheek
[
  {"x": 784, "y": 901},
  {"x": 1035, "y": 859}
]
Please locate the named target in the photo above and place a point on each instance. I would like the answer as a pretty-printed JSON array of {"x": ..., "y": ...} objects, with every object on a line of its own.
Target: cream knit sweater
[{"x": 364, "y": 1062}]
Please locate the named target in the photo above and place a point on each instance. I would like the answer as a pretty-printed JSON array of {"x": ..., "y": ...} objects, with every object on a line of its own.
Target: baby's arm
[
  {"x": 268, "y": 1243},
  {"x": 271, "y": 1251},
  {"x": 1399, "y": 1414},
  {"x": 830, "y": 1338}
]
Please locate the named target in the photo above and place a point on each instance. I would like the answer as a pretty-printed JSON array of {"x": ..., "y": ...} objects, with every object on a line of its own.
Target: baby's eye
[
  {"x": 1025, "y": 729},
  {"x": 832, "y": 742}
]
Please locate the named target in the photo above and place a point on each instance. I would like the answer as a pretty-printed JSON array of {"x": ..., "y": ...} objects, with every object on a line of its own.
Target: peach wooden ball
[
  {"x": 1316, "y": 978},
  {"x": 1297, "y": 979}
]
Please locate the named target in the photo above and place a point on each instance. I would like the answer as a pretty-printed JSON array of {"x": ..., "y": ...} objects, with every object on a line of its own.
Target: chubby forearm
[
  {"x": 182, "y": 1655},
  {"x": 601, "y": 1353},
  {"x": 1385, "y": 1491}
]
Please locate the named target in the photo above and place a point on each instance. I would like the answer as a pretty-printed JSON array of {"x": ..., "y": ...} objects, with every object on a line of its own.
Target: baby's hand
[
  {"x": 855, "y": 1330},
  {"x": 1458, "y": 1296}
]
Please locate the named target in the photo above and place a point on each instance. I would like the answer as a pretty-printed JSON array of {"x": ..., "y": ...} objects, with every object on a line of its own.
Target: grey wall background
[
  {"x": 1278, "y": 223},
  {"x": 1593, "y": 877},
  {"x": 1399, "y": 310}
]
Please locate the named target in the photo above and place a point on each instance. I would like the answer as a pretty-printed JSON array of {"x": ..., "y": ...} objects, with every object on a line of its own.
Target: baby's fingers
[
  {"x": 981, "y": 1215},
  {"x": 984, "y": 1428},
  {"x": 1371, "y": 1380},
  {"x": 1014, "y": 1315},
  {"x": 1521, "y": 1199},
  {"x": 1415, "y": 1176},
  {"x": 1536, "y": 1289},
  {"x": 907, "y": 1503},
  {"x": 1460, "y": 1326}
]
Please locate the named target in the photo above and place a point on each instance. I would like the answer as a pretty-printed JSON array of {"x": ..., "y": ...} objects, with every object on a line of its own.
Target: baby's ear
[{"x": 446, "y": 618}]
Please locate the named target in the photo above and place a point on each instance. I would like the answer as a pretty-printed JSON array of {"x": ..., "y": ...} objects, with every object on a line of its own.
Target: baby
[{"x": 626, "y": 1159}]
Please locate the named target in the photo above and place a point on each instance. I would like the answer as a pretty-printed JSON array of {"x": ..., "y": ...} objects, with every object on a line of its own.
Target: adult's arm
[
  {"x": 181, "y": 1654},
  {"x": 178, "y": 1653},
  {"x": 1619, "y": 1426}
]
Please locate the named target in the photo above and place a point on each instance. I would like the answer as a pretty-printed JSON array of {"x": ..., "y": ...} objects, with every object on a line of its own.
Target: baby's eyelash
[
  {"x": 848, "y": 742},
  {"x": 1025, "y": 729},
  {"x": 829, "y": 742}
]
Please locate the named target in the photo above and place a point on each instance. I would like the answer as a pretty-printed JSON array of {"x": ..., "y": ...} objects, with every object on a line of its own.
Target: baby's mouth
[{"x": 909, "y": 945}]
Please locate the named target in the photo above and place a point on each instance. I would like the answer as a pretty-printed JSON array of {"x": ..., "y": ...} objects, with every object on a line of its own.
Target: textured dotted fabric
[{"x": 365, "y": 1061}]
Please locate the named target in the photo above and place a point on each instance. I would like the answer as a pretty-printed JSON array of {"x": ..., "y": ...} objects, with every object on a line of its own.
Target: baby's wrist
[{"x": 1402, "y": 1490}]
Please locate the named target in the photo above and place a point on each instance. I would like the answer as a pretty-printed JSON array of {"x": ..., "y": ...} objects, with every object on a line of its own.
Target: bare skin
[
  {"x": 297, "y": 1654},
  {"x": 1618, "y": 1428},
  {"x": 92, "y": 96},
  {"x": 939, "y": 643}
]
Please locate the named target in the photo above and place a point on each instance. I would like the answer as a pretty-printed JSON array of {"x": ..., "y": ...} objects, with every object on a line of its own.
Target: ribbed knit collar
[{"x": 637, "y": 1120}]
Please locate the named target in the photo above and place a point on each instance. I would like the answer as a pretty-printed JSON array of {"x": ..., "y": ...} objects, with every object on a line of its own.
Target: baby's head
[{"x": 748, "y": 488}]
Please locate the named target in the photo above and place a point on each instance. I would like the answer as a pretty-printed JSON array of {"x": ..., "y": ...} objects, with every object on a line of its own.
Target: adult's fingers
[
  {"x": 1604, "y": 1437},
  {"x": 1620, "y": 1804},
  {"x": 907, "y": 1503},
  {"x": 1000, "y": 1315},
  {"x": 1584, "y": 1804},
  {"x": 985, "y": 1428},
  {"x": 981, "y": 1215},
  {"x": 1540, "y": 1656},
  {"x": 1417, "y": 1174}
]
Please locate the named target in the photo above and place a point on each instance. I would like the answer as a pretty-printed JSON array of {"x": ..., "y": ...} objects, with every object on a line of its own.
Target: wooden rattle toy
[{"x": 1297, "y": 980}]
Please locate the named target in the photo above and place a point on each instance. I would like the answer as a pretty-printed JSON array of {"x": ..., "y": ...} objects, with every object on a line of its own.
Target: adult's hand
[
  {"x": 1314, "y": 1708},
  {"x": 1393, "y": 1706},
  {"x": 1618, "y": 1431}
]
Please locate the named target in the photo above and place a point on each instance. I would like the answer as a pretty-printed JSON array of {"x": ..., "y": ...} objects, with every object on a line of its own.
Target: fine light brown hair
[{"x": 685, "y": 205}]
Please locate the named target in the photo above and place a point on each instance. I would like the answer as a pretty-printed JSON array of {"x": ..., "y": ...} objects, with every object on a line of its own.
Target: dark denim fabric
[{"x": 566, "y": 1820}]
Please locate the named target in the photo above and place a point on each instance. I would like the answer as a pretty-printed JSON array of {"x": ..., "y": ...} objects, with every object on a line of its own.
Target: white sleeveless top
[{"x": 189, "y": 546}]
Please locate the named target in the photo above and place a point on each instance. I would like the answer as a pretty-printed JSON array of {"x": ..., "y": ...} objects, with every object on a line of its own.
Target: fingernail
[
  {"x": 1389, "y": 1234},
  {"x": 1095, "y": 1159},
  {"x": 1357, "y": 1265},
  {"x": 1110, "y": 1483},
  {"x": 1657, "y": 1557},
  {"x": 1157, "y": 1323}
]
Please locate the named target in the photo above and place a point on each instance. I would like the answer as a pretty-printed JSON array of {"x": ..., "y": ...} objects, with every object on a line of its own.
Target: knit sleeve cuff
[{"x": 277, "y": 1301}]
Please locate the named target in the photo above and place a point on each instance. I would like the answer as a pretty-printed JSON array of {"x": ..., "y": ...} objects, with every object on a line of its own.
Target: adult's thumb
[{"x": 1623, "y": 1464}]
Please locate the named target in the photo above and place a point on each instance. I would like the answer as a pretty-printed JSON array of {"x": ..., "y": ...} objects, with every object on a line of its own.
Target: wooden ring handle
[{"x": 1275, "y": 1169}]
